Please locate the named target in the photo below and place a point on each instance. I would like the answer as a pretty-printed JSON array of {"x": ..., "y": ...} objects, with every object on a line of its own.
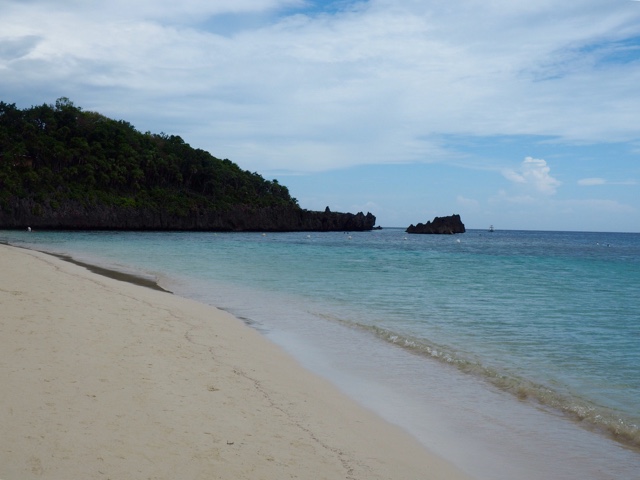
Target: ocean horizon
[{"x": 514, "y": 354}]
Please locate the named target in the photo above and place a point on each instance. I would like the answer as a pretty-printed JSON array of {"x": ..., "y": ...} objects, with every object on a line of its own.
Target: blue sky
[{"x": 524, "y": 115}]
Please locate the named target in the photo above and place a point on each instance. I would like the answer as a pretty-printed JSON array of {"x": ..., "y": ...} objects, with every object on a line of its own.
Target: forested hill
[{"x": 62, "y": 167}]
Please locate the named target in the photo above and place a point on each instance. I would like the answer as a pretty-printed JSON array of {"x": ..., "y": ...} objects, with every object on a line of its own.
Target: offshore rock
[
  {"x": 440, "y": 225},
  {"x": 73, "y": 215}
]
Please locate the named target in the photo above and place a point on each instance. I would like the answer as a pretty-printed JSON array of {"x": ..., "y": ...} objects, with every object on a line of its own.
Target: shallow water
[{"x": 497, "y": 350}]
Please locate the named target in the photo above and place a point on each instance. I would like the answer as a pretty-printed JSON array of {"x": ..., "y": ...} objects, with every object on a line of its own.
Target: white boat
[{"x": 491, "y": 228}]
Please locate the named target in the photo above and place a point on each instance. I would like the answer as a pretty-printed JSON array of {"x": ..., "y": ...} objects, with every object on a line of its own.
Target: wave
[{"x": 586, "y": 414}]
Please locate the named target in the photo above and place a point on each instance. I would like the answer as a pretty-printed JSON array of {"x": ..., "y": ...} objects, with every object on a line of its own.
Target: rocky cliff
[
  {"x": 439, "y": 225},
  {"x": 73, "y": 215}
]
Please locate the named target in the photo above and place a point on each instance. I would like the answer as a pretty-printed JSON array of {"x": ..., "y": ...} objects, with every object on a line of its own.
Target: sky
[{"x": 514, "y": 113}]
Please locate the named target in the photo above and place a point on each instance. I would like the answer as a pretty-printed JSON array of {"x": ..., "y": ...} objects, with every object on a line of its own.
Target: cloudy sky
[{"x": 521, "y": 114}]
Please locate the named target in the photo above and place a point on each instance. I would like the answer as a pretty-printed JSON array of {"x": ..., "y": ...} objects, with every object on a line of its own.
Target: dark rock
[
  {"x": 440, "y": 225},
  {"x": 73, "y": 215}
]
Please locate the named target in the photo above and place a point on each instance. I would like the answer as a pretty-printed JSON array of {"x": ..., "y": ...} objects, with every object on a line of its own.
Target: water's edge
[{"x": 105, "y": 272}]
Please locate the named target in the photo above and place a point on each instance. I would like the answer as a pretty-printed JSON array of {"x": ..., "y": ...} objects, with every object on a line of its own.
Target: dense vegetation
[{"x": 51, "y": 154}]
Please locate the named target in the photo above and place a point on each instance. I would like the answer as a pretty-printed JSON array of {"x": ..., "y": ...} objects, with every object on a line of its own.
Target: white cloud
[
  {"x": 504, "y": 197},
  {"x": 467, "y": 202},
  {"x": 600, "y": 206},
  {"x": 375, "y": 82},
  {"x": 587, "y": 182},
  {"x": 17, "y": 47},
  {"x": 167, "y": 11},
  {"x": 534, "y": 173}
]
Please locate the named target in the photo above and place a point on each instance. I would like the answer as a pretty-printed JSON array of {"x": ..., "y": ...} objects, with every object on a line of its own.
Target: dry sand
[{"x": 102, "y": 379}]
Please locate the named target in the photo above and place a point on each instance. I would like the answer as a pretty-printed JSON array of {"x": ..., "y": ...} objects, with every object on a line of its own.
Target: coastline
[{"x": 106, "y": 379}]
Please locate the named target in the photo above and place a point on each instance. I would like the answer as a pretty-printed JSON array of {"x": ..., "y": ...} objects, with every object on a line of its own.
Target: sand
[{"x": 104, "y": 379}]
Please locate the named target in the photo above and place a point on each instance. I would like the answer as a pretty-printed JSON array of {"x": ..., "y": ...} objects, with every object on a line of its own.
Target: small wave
[{"x": 589, "y": 416}]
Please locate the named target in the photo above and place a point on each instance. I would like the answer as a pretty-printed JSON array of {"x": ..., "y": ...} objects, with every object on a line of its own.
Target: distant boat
[{"x": 491, "y": 228}]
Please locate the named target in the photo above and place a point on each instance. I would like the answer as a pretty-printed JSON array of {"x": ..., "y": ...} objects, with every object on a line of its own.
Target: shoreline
[
  {"x": 108, "y": 379},
  {"x": 114, "y": 274},
  {"x": 106, "y": 272}
]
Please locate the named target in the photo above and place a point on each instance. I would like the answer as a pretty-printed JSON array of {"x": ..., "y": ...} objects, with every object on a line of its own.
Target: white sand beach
[{"x": 104, "y": 379}]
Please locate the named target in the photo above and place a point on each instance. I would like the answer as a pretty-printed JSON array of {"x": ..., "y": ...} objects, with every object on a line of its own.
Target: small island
[
  {"x": 440, "y": 225},
  {"x": 65, "y": 168}
]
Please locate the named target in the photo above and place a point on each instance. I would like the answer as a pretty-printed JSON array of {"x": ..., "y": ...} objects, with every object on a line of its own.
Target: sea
[{"x": 513, "y": 354}]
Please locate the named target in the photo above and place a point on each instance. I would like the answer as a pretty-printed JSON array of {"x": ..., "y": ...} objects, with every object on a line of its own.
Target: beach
[{"x": 102, "y": 378}]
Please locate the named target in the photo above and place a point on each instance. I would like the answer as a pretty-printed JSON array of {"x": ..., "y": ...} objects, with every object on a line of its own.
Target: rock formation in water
[{"x": 440, "y": 225}]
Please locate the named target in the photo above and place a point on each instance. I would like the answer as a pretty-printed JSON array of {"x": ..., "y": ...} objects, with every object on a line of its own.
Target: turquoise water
[{"x": 546, "y": 324}]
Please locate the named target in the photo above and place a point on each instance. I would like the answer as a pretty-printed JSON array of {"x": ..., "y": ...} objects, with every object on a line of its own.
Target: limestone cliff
[{"x": 72, "y": 215}]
